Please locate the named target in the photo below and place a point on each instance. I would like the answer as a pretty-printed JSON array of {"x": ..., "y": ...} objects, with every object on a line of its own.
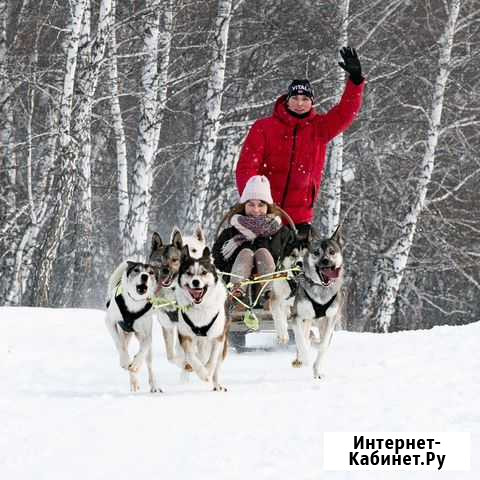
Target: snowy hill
[{"x": 66, "y": 412}]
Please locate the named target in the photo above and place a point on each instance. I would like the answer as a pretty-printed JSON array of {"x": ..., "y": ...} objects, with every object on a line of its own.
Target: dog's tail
[{"x": 116, "y": 278}]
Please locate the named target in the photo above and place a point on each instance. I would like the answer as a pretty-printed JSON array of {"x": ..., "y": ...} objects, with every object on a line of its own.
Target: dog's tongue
[
  {"x": 332, "y": 272},
  {"x": 196, "y": 293}
]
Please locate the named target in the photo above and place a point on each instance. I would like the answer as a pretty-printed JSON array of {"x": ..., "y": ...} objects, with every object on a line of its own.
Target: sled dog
[
  {"x": 167, "y": 257},
  {"x": 196, "y": 242},
  {"x": 318, "y": 299},
  {"x": 129, "y": 313},
  {"x": 283, "y": 291},
  {"x": 203, "y": 323}
]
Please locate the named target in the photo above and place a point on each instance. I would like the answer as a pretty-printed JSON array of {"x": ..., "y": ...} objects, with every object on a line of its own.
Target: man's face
[{"x": 299, "y": 104}]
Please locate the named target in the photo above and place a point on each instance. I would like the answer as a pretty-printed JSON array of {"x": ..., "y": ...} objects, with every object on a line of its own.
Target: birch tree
[
  {"x": 64, "y": 183},
  {"x": 8, "y": 164},
  {"x": 119, "y": 134},
  {"x": 398, "y": 254},
  {"x": 157, "y": 38},
  {"x": 335, "y": 161},
  {"x": 91, "y": 57},
  {"x": 208, "y": 139}
]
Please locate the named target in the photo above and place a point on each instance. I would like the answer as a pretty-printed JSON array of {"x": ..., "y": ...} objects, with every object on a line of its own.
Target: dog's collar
[
  {"x": 199, "y": 331},
  {"x": 129, "y": 317},
  {"x": 319, "y": 308}
]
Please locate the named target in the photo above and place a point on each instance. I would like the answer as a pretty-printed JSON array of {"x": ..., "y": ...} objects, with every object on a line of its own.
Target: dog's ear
[
  {"x": 176, "y": 238},
  {"x": 206, "y": 253},
  {"x": 156, "y": 242},
  {"x": 130, "y": 266},
  {"x": 199, "y": 234},
  {"x": 311, "y": 236},
  {"x": 338, "y": 236},
  {"x": 185, "y": 252}
]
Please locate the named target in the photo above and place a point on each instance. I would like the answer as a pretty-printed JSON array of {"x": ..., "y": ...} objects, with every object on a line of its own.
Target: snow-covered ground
[{"x": 66, "y": 411}]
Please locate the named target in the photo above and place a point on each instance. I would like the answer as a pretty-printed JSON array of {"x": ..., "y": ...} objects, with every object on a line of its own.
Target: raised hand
[{"x": 351, "y": 64}]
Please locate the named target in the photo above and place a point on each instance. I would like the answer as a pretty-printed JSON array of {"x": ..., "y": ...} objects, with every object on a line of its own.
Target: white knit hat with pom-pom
[{"x": 257, "y": 188}]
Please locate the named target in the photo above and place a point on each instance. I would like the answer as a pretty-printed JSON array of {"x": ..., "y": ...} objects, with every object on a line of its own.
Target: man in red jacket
[{"x": 289, "y": 147}]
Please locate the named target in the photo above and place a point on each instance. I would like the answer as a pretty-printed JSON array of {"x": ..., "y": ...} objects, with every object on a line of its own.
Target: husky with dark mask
[{"x": 318, "y": 299}]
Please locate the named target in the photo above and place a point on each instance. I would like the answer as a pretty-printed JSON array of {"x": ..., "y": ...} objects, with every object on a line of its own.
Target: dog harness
[
  {"x": 199, "y": 331},
  {"x": 172, "y": 315},
  {"x": 129, "y": 317},
  {"x": 319, "y": 308},
  {"x": 293, "y": 284}
]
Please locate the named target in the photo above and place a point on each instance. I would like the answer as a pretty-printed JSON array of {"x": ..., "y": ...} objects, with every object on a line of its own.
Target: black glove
[{"x": 351, "y": 64}]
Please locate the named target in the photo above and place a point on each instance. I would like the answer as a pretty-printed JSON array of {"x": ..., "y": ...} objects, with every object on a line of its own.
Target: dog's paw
[
  {"x": 155, "y": 389},
  {"x": 219, "y": 388},
  {"x": 134, "y": 385},
  {"x": 297, "y": 363},
  {"x": 282, "y": 339},
  {"x": 318, "y": 375},
  {"x": 204, "y": 375}
]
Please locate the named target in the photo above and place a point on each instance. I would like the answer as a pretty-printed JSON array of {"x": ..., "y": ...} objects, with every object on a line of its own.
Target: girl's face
[{"x": 255, "y": 208}]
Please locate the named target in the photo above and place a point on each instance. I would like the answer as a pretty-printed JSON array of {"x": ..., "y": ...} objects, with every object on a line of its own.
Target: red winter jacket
[{"x": 291, "y": 151}]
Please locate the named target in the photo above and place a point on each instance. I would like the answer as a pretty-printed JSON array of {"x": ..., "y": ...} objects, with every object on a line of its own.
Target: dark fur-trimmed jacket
[{"x": 275, "y": 244}]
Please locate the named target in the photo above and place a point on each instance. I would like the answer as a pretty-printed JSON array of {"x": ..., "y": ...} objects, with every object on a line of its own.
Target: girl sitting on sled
[{"x": 254, "y": 241}]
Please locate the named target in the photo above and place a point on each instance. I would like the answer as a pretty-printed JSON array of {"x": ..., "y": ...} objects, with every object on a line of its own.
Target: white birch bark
[
  {"x": 400, "y": 252},
  {"x": 64, "y": 183},
  {"x": 222, "y": 189},
  {"x": 91, "y": 56},
  {"x": 203, "y": 160},
  {"x": 119, "y": 132},
  {"x": 157, "y": 42},
  {"x": 8, "y": 203},
  {"x": 28, "y": 244},
  {"x": 335, "y": 164}
]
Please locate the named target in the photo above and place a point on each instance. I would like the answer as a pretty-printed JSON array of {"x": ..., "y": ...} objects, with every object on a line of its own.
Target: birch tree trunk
[
  {"x": 64, "y": 183},
  {"x": 28, "y": 244},
  {"x": 8, "y": 162},
  {"x": 335, "y": 164},
  {"x": 222, "y": 189},
  {"x": 120, "y": 140},
  {"x": 400, "y": 251},
  {"x": 92, "y": 54},
  {"x": 203, "y": 160},
  {"x": 157, "y": 38}
]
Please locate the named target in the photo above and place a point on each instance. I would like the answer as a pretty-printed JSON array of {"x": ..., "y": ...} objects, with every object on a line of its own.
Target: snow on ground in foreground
[{"x": 66, "y": 411}]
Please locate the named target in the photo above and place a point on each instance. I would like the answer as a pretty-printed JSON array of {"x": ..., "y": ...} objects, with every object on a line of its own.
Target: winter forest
[{"x": 120, "y": 118}]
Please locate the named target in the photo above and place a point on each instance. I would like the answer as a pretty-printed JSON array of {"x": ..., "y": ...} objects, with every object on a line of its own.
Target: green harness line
[{"x": 249, "y": 318}]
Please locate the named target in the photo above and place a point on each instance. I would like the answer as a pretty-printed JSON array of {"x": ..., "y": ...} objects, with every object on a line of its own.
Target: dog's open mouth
[
  {"x": 328, "y": 274},
  {"x": 197, "y": 294},
  {"x": 167, "y": 281},
  {"x": 142, "y": 289}
]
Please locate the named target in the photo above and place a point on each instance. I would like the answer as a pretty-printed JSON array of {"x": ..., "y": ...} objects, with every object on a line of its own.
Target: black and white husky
[
  {"x": 130, "y": 288},
  {"x": 203, "y": 323},
  {"x": 318, "y": 299}
]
